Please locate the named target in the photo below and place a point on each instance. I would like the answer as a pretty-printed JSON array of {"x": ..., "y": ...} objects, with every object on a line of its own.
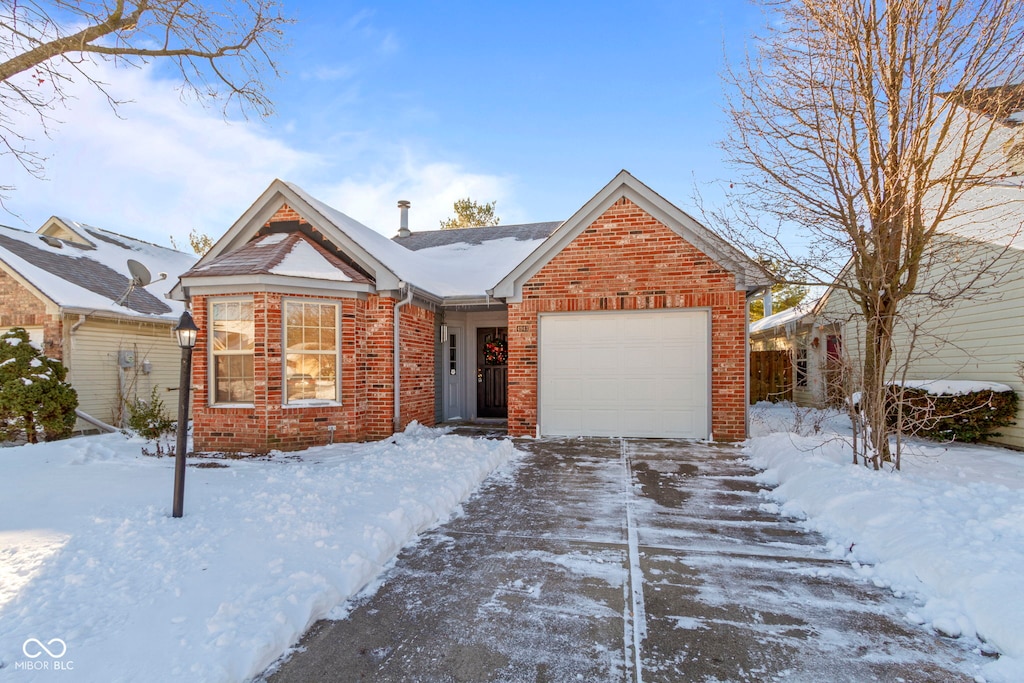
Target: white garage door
[{"x": 625, "y": 374}]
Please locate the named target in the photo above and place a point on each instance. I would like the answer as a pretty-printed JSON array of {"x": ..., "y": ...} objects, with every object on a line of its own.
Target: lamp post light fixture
[{"x": 186, "y": 330}]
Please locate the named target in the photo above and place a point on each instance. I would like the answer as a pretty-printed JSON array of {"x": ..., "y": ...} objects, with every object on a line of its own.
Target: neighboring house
[
  {"x": 963, "y": 323},
  {"x": 69, "y": 286},
  {"x": 628, "y": 319},
  {"x": 813, "y": 347}
]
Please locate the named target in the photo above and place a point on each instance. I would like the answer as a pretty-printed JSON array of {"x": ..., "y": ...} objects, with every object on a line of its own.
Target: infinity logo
[{"x": 43, "y": 648}]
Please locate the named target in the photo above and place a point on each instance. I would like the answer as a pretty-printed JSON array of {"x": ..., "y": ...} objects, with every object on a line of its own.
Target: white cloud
[
  {"x": 162, "y": 168},
  {"x": 165, "y": 167},
  {"x": 431, "y": 186}
]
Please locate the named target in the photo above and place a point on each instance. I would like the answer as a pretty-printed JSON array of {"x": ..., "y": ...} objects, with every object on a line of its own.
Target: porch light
[{"x": 186, "y": 330}]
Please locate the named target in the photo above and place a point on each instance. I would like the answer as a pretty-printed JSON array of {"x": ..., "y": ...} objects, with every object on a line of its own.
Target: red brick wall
[
  {"x": 627, "y": 260},
  {"x": 286, "y": 213},
  {"x": 367, "y": 407},
  {"x": 417, "y": 363},
  {"x": 20, "y": 308}
]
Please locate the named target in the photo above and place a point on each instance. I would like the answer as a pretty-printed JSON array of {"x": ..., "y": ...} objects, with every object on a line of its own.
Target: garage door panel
[
  {"x": 625, "y": 374},
  {"x": 564, "y": 390},
  {"x": 595, "y": 358}
]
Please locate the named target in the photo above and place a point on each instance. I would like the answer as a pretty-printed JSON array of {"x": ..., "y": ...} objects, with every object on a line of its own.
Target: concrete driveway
[{"x": 624, "y": 560}]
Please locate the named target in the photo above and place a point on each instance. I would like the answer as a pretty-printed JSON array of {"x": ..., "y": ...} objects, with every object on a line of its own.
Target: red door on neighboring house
[{"x": 492, "y": 372}]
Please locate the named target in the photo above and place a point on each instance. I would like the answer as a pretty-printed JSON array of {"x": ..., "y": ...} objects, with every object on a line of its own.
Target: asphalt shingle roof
[
  {"x": 442, "y": 238},
  {"x": 85, "y": 272},
  {"x": 261, "y": 255}
]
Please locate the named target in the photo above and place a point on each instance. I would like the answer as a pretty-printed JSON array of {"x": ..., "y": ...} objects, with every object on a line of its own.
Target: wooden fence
[{"x": 771, "y": 376}]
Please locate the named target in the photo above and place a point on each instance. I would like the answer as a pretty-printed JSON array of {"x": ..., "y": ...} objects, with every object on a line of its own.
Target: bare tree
[
  {"x": 221, "y": 51},
  {"x": 864, "y": 125}
]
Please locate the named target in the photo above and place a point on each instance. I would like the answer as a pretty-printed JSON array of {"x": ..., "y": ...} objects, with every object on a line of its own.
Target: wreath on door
[{"x": 496, "y": 352}]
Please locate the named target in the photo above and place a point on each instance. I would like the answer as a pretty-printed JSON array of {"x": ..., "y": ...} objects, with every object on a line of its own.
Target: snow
[
  {"x": 452, "y": 270},
  {"x": 274, "y": 238},
  {"x": 305, "y": 261},
  {"x": 953, "y": 387},
  {"x": 90, "y": 555},
  {"x": 475, "y": 268},
  {"x": 948, "y": 528},
  {"x": 68, "y": 294},
  {"x": 783, "y": 317}
]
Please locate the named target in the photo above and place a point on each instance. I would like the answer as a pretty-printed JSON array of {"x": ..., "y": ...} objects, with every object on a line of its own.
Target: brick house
[
  {"x": 69, "y": 286},
  {"x": 629, "y": 319}
]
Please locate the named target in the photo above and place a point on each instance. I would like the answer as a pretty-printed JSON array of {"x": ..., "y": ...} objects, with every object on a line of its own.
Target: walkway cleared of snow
[
  {"x": 92, "y": 562},
  {"x": 948, "y": 529}
]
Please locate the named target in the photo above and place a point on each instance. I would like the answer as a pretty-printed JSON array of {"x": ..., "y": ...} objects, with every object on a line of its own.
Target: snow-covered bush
[
  {"x": 148, "y": 419},
  {"x": 936, "y": 413},
  {"x": 34, "y": 398}
]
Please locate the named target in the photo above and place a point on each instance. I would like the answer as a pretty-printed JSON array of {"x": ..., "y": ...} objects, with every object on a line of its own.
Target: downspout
[
  {"x": 71, "y": 333},
  {"x": 96, "y": 422},
  {"x": 397, "y": 379}
]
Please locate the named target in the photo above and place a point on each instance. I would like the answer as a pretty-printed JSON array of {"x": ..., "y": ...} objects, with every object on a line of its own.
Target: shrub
[
  {"x": 34, "y": 398},
  {"x": 967, "y": 417},
  {"x": 148, "y": 419}
]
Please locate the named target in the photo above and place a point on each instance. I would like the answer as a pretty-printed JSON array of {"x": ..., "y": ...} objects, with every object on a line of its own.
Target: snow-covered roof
[
  {"x": 463, "y": 267},
  {"x": 87, "y": 269},
  {"x": 280, "y": 253},
  {"x": 465, "y": 264},
  {"x": 790, "y": 315}
]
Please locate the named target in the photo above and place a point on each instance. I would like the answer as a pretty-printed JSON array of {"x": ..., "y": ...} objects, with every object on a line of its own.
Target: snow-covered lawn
[
  {"x": 947, "y": 530},
  {"x": 90, "y": 555}
]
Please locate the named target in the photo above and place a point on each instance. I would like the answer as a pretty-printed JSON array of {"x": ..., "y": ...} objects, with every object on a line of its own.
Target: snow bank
[
  {"x": 953, "y": 387},
  {"x": 947, "y": 529},
  {"x": 89, "y": 553}
]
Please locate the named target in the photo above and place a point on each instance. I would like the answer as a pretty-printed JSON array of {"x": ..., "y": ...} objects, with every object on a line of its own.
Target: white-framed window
[
  {"x": 801, "y": 367},
  {"x": 311, "y": 359},
  {"x": 232, "y": 334}
]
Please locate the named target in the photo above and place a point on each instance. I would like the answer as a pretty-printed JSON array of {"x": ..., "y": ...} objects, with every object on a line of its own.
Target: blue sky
[{"x": 533, "y": 104}]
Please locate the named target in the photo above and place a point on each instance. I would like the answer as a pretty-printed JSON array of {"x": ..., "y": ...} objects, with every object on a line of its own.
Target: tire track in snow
[{"x": 636, "y": 627}]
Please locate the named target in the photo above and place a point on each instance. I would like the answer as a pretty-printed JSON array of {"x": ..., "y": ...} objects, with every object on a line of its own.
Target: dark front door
[{"x": 491, "y": 371}]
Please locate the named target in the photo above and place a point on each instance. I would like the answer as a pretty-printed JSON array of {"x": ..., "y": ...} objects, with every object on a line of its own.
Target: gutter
[{"x": 397, "y": 378}]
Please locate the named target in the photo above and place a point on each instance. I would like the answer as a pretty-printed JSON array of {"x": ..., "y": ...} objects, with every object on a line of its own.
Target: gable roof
[
  {"x": 464, "y": 264},
  {"x": 749, "y": 275},
  {"x": 86, "y": 269}
]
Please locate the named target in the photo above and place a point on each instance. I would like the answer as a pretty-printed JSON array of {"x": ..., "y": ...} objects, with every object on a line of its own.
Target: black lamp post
[{"x": 186, "y": 330}]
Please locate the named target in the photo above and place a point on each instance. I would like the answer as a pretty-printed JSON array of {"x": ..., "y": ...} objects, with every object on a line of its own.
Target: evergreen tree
[
  {"x": 34, "y": 398},
  {"x": 470, "y": 214}
]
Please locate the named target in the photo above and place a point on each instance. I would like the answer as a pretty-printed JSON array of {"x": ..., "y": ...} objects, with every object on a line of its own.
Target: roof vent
[
  {"x": 52, "y": 241},
  {"x": 403, "y": 224}
]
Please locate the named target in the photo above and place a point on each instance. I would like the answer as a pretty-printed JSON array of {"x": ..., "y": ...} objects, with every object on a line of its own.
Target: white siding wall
[
  {"x": 91, "y": 355},
  {"x": 979, "y": 337}
]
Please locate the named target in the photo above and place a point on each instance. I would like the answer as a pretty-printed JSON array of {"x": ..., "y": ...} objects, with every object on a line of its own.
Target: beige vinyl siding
[
  {"x": 92, "y": 358},
  {"x": 980, "y": 337}
]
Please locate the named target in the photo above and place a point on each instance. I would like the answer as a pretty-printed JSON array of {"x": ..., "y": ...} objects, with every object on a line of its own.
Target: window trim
[
  {"x": 212, "y": 353},
  {"x": 801, "y": 368},
  {"x": 310, "y": 402}
]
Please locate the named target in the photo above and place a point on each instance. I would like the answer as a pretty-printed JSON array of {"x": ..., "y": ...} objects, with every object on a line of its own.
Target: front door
[{"x": 491, "y": 371}]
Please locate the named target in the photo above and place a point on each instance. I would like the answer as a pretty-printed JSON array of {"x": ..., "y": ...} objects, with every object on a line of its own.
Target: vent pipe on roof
[{"x": 403, "y": 224}]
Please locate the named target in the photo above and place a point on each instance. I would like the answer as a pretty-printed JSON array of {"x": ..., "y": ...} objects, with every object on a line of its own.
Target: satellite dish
[
  {"x": 140, "y": 273},
  {"x": 140, "y": 278}
]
